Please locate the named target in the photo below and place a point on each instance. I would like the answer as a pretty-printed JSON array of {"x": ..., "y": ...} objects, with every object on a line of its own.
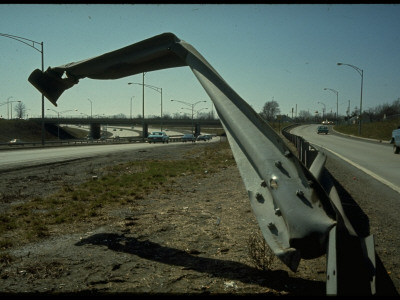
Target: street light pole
[
  {"x": 8, "y": 109},
  {"x": 143, "y": 103},
  {"x": 337, "y": 103},
  {"x": 323, "y": 111},
  {"x": 31, "y": 44},
  {"x": 155, "y": 88},
  {"x": 11, "y": 106},
  {"x": 361, "y": 72},
  {"x": 142, "y": 84},
  {"x": 91, "y": 111},
  {"x": 192, "y": 105},
  {"x": 196, "y": 111},
  {"x": 8, "y": 102},
  {"x": 131, "y": 107}
]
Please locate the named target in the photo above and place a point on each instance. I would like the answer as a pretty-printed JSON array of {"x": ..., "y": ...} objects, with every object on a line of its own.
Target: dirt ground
[{"x": 193, "y": 240}]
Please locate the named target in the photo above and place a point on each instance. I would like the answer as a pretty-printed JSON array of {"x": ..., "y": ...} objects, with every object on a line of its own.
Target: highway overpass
[{"x": 127, "y": 121}]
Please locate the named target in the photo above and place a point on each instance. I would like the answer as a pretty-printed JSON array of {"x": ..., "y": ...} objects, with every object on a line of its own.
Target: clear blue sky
[{"x": 287, "y": 53}]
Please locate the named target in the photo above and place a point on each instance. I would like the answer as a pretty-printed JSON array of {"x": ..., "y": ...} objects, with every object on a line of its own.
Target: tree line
[{"x": 271, "y": 112}]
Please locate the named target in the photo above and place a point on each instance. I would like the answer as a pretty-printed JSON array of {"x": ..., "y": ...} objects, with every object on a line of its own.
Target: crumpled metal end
[
  {"x": 50, "y": 84},
  {"x": 290, "y": 257}
]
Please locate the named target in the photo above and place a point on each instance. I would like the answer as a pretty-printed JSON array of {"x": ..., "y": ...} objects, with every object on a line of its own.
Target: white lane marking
[{"x": 370, "y": 173}]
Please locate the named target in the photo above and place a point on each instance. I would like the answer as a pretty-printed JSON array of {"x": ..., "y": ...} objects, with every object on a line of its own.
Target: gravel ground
[{"x": 193, "y": 240}]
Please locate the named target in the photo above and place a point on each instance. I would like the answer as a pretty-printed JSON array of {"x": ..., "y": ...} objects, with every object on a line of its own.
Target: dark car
[
  {"x": 158, "y": 136},
  {"x": 188, "y": 138},
  {"x": 204, "y": 137},
  {"x": 322, "y": 129}
]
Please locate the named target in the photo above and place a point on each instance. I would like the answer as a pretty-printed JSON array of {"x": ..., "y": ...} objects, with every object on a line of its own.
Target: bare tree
[
  {"x": 305, "y": 115},
  {"x": 270, "y": 110},
  {"x": 20, "y": 110}
]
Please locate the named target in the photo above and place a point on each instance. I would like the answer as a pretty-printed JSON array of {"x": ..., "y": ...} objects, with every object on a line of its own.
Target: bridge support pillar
[
  {"x": 145, "y": 132},
  {"x": 95, "y": 130}
]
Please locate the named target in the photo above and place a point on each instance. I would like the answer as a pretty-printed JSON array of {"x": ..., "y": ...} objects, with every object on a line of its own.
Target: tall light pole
[
  {"x": 143, "y": 101},
  {"x": 131, "y": 107},
  {"x": 31, "y": 44},
  {"x": 337, "y": 103},
  {"x": 8, "y": 102},
  {"x": 192, "y": 105},
  {"x": 196, "y": 111},
  {"x": 8, "y": 110},
  {"x": 155, "y": 88},
  {"x": 323, "y": 111},
  {"x": 91, "y": 108},
  {"x": 11, "y": 106},
  {"x": 361, "y": 72},
  {"x": 143, "y": 124},
  {"x": 58, "y": 118}
]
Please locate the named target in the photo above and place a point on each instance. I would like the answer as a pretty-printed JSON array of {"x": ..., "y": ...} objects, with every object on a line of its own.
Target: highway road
[
  {"x": 127, "y": 131},
  {"x": 20, "y": 158},
  {"x": 372, "y": 157}
]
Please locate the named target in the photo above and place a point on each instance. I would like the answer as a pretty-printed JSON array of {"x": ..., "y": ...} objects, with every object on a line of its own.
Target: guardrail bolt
[
  {"x": 259, "y": 196},
  {"x": 288, "y": 153},
  {"x": 273, "y": 183},
  {"x": 278, "y": 163},
  {"x": 299, "y": 193},
  {"x": 263, "y": 183},
  {"x": 271, "y": 226},
  {"x": 278, "y": 212}
]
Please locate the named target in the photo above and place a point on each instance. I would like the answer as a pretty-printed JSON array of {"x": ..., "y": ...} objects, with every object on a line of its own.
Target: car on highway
[
  {"x": 204, "y": 137},
  {"x": 395, "y": 140},
  {"x": 188, "y": 137},
  {"x": 16, "y": 142},
  {"x": 322, "y": 129},
  {"x": 158, "y": 136}
]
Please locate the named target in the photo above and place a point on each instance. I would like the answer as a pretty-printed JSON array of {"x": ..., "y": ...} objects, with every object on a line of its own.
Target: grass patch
[
  {"x": 122, "y": 184},
  {"x": 376, "y": 130}
]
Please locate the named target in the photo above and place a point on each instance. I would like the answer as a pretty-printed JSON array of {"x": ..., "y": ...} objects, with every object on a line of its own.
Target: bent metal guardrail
[
  {"x": 75, "y": 142},
  {"x": 298, "y": 218}
]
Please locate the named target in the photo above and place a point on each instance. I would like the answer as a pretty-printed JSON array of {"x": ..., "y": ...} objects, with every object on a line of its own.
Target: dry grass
[{"x": 376, "y": 130}]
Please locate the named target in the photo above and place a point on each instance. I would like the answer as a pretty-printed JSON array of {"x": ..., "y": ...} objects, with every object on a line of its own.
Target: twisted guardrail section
[{"x": 297, "y": 216}]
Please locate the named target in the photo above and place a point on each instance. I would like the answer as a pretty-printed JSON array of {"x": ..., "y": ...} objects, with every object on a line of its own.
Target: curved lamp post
[
  {"x": 196, "y": 111},
  {"x": 192, "y": 105},
  {"x": 143, "y": 124},
  {"x": 31, "y": 44},
  {"x": 155, "y": 88},
  {"x": 323, "y": 111},
  {"x": 11, "y": 106},
  {"x": 58, "y": 118},
  {"x": 361, "y": 72},
  {"x": 337, "y": 103},
  {"x": 8, "y": 102}
]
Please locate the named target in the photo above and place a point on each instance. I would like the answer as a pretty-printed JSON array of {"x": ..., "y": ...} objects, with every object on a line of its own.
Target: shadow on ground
[{"x": 277, "y": 280}]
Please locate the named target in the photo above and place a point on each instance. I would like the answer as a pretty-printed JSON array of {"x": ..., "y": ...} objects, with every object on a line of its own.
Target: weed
[{"x": 259, "y": 252}]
